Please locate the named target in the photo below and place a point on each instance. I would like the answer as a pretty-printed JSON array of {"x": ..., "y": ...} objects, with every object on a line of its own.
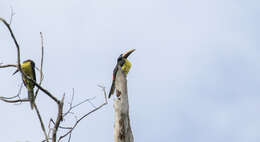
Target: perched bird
[
  {"x": 122, "y": 63},
  {"x": 28, "y": 67}
]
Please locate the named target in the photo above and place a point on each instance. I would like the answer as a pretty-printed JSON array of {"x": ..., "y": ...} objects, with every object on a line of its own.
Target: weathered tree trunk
[{"x": 122, "y": 128}]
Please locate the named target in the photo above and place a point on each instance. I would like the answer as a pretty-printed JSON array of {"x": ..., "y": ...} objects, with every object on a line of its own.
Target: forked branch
[{"x": 84, "y": 116}]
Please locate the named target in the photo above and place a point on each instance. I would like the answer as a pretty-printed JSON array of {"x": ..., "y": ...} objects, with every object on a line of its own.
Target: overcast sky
[{"x": 194, "y": 77}]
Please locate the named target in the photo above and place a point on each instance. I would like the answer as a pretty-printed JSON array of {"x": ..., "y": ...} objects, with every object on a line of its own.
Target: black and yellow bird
[
  {"x": 122, "y": 63},
  {"x": 28, "y": 67}
]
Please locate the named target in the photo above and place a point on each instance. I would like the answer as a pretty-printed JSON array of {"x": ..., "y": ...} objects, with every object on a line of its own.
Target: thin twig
[
  {"x": 72, "y": 107},
  {"x": 42, "y": 124},
  {"x": 104, "y": 90},
  {"x": 74, "y": 126},
  {"x": 12, "y": 14},
  {"x": 49, "y": 127},
  {"x": 14, "y": 101},
  {"x": 58, "y": 119},
  {"x": 16, "y": 96},
  {"x": 15, "y": 41},
  {"x": 8, "y": 65},
  {"x": 41, "y": 73},
  {"x": 45, "y": 140},
  {"x": 70, "y": 136},
  {"x": 77, "y": 122},
  {"x": 91, "y": 104},
  {"x": 83, "y": 102},
  {"x": 9, "y": 98}
]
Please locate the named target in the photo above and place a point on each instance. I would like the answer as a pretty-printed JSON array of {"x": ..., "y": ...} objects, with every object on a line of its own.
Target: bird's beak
[
  {"x": 15, "y": 72},
  {"x": 127, "y": 53}
]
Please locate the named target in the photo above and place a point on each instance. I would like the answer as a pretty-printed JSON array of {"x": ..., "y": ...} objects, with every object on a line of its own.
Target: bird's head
[
  {"x": 28, "y": 61},
  {"x": 123, "y": 62},
  {"x": 124, "y": 56}
]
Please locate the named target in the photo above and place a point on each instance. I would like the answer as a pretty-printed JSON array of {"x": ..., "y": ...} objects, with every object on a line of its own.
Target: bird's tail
[{"x": 31, "y": 97}]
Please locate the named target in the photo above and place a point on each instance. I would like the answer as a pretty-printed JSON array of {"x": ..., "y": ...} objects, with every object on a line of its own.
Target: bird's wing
[
  {"x": 112, "y": 89},
  {"x": 33, "y": 72}
]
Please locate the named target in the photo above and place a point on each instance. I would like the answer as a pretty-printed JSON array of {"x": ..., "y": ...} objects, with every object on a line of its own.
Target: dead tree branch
[
  {"x": 58, "y": 120},
  {"x": 10, "y": 99},
  {"x": 42, "y": 56},
  {"x": 74, "y": 106},
  {"x": 19, "y": 65},
  {"x": 15, "y": 41},
  {"x": 9, "y": 65},
  {"x": 42, "y": 124},
  {"x": 81, "y": 118},
  {"x": 60, "y": 103},
  {"x": 12, "y": 15}
]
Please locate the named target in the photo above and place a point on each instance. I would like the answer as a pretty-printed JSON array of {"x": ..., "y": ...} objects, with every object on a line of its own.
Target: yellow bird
[
  {"x": 28, "y": 67},
  {"x": 122, "y": 63}
]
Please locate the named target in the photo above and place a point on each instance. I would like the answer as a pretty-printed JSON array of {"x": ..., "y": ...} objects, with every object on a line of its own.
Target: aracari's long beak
[
  {"x": 127, "y": 53},
  {"x": 15, "y": 72}
]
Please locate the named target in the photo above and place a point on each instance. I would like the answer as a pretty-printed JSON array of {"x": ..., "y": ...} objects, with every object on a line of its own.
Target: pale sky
[{"x": 194, "y": 77}]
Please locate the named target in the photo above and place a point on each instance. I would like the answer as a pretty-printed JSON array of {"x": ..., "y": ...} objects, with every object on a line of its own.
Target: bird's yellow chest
[
  {"x": 127, "y": 66},
  {"x": 27, "y": 68}
]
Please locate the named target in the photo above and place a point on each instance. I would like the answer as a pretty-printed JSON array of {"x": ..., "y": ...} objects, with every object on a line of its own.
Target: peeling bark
[{"x": 122, "y": 128}]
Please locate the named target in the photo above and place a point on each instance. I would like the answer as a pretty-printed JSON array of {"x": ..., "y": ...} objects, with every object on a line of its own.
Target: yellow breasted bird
[
  {"x": 122, "y": 63},
  {"x": 28, "y": 67}
]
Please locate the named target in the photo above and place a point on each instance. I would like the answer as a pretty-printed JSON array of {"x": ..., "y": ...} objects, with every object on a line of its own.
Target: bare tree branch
[
  {"x": 12, "y": 14},
  {"x": 60, "y": 103},
  {"x": 15, "y": 41},
  {"x": 8, "y": 65},
  {"x": 10, "y": 99},
  {"x": 16, "y": 96},
  {"x": 19, "y": 65},
  {"x": 72, "y": 107},
  {"x": 58, "y": 120},
  {"x": 41, "y": 73},
  {"x": 38, "y": 85},
  {"x": 42, "y": 89},
  {"x": 49, "y": 127},
  {"x": 42, "y": 124},
  {"x": 15, "y": 101},
  {"x": 77, "y": 122}
]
